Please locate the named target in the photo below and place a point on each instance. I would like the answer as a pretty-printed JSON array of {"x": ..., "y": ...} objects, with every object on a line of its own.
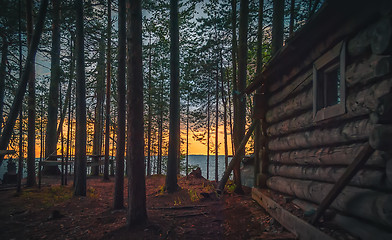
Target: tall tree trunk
[
  {"x": 241, "y": 111},
  {"x": 224, "y": 102},
  {"x": 112, "y": 153},
  {"x": 20, "y": 161},
  {"x": 174, "y": 127},
  {"x": 277, "y": 25},
  {"x": 208, "y": 131},
  {"x": 292, "y": 17},
  {"x": 69, "y": 127},
  {"x": 100, "y": 91},
  {"x": 230, "y": 113},
  {"x": 16, "y": 105},
  {"x": 80, "y": 144},
  {"x": 234, "y": 50},
  {"x": 137, "y": 213},
  {"x": 187, "y": 133},
  {"x": 216, "y": 125},
  {"x": 121, "y": 91},
  {"x": 108, "y": 88},
  {"x": 3, "y": 65},
  {"x": 259, "y": 63},
  {"x": 61, "y": 138},
  {"x": 149, "y": 112},
  {"x": 42, "y": 140},
  {"x": 160, "y": 130},
  {"x": 31, "y": 181},
  {"x": 51, "y": 127}
]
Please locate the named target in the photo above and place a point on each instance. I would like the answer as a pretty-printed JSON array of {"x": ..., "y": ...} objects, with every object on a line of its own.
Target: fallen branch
[
  {"x": 178, "y": 207},
  {"x": 236, "y": 158}
]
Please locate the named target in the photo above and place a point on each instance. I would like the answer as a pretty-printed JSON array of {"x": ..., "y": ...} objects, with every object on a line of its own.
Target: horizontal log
[
  {"x": 358, "y": 130},
  {"x": 364, "y": 203},
  {"x": 361, "y": 229},
  {"x": 360, "y": 43},
  {"x": 362, "y": 72},
  {"x": 381, "y": 137},
  {"x": 357, "y": 104},
  {"x": 296, "y": 86},
  {"x": 381, "y": 41},
  {"x": 364, "y": 178},
  {"x": 388, "y": 170},
  {"x": 324, "y": 156},
  {"x": 365, "y": 70},
  {"x": 291, "y": 106},
  {"x": 383, "y": 113}
]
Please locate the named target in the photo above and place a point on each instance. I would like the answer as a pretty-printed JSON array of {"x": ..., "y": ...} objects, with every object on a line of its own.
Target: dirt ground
[{"x": 54, "y": 213}]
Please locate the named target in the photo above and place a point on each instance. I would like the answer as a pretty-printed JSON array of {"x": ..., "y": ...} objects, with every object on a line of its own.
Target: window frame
[{"x": 337, "y": 53}]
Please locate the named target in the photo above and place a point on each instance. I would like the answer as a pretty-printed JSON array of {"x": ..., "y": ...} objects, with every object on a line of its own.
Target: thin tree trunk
[
  {"x": 108, "y": 88},
  {"x": 31, "y": 181},
  {"x": 241, "y": 111},
  {"x": 69, "y": 127},
  {"x": 149, "y": 113},
  {"x": 16, "y": 105},
  {"x": 61, "y": 140},
  {"x": 208, "y": 131},
  {"x": 51, "y": 127},
  {"x": 111, "y": 156},
  {"x": 174, "y": 126},
  {"x": 137, "y": 213},
  {"x": 68, "y": 133},
  {"x": 224, "y": 102},
  {"x": 100, "y": 91},
  {"x": 20, "y": 162},
  {"x": 216, "y": 126},
  {"x": 230, "y": 114},
  {"x": 234, "y": 63},
  {"x": 187, "y": 134},
  {"x": 80, "y": 144},
  {"x": 259, "y": 63},
  {"x": 121, "y": 106},
  {"x": 4, "y": 54},
  {"x": 160, "y": 129},
  {"x": 42, "y": 142}
]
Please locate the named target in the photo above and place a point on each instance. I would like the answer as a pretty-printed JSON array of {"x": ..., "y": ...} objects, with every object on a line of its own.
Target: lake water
[{"x": 194, "y": 161}]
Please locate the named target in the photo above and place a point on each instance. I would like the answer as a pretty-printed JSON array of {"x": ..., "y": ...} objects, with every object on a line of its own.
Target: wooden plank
[
  {"x": 297, "y": 226},
  {"x": 352, "y": 169}
]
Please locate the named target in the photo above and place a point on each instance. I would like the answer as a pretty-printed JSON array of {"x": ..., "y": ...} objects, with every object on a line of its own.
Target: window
[{"x": 329, "y": 84}]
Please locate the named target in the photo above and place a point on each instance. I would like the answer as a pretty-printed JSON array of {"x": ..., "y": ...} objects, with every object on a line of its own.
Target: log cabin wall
[{"x": 306, "y": 157}]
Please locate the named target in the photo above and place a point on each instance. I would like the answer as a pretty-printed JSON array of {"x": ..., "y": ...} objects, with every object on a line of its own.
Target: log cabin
[{"x": 326, "y": 122}]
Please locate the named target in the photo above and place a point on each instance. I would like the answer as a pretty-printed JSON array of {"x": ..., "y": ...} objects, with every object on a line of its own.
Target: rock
[
  {"x": 55, "y": 215},
  {"x": 196, "y": 173}
]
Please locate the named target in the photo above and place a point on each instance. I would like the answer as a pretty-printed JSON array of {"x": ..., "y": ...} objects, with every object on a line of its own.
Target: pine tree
[
  {"x": 121, "y": 91},
  {"x": 137, "y": 213},
  {"x": 80, "y": 144}
]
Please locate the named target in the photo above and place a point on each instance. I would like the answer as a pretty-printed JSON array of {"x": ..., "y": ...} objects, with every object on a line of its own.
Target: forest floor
[{"x": 54, "y": 213}]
